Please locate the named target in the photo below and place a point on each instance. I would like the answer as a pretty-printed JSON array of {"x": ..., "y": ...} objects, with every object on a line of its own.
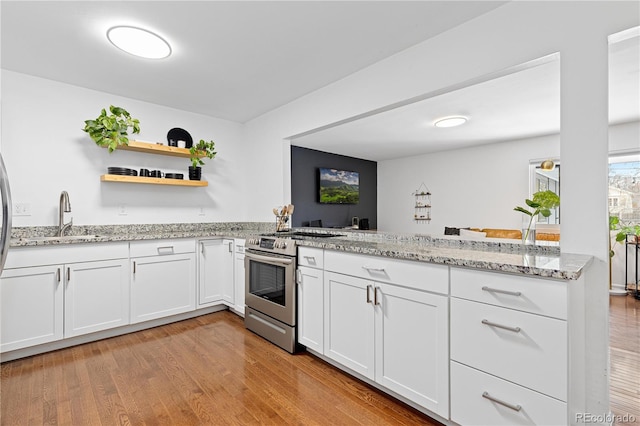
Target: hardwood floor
[
  {"x": 624, "y": 350},
  {"x": 211, "y": 370},
  {"x": 207, "y": 370}
]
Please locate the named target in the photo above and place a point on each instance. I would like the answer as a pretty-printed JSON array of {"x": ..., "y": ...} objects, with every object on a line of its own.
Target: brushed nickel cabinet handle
[
  {"x": 58, "y": 275},
  {"x": 504, "y": 327},
  {"x": 68, "y": 274},
  {"x": 230, "y": 247},
  {"x": 497, "y": 290},
  {"x": 371, "y": 268},
  {"x": 368, "y": 295},
  {"x": 134, "y": 267},
  {"x": 514, "y": 407},
  {"x": 375, "y": 296}
]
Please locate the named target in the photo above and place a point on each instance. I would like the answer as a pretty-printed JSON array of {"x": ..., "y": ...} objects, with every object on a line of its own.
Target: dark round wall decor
[{"x": 177, "y": 134}]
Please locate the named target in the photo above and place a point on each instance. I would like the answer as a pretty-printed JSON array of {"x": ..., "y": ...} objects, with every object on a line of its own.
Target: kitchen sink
[{"x": 63, "y": 238}]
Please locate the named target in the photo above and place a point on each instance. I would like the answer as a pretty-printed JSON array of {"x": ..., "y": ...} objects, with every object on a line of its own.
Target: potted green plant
[
  {"x": 542, "y": 202},
  {"x": 198, "y": 151},
  {"x": 623, "y": 231},
  {"x": 111, "y": 130}
]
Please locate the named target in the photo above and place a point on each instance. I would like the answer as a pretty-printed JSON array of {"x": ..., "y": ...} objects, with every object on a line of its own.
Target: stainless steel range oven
[{"x": 270, "y": 289}]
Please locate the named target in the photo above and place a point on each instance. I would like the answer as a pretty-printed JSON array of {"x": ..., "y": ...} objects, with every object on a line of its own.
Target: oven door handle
[{"x": 268, "y": 259}]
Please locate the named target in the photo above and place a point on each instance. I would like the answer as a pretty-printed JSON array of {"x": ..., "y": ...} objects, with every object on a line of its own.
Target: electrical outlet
[
  {"x": 122, "y": 210},
  {"x": 201, "y": 211},
  {"x": 22, "y": 209}
]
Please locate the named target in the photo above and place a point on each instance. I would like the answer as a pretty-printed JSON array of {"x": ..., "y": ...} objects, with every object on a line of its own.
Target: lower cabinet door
[
  {"x": 32, "y": 307},
  {"x": 349, "y": 322},
  {"x": 412, "y": 345},
  {"x": 96, "y": 296},
  {"x": 238, "y": 276},
  {"x": 478, "y": 398},
  {"x": 310, "y": 308},
  {"x": 162, "y": 286},
  {"x": 216, "y": 264}
]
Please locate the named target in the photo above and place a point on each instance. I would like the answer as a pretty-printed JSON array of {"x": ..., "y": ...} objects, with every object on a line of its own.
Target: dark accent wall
[{"x": 304, "y": 189}]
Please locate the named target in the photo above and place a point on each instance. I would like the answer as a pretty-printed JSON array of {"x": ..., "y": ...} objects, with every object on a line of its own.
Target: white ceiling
[
  {"x": 240, "y": 59},
  {"x": 234, "y": 60},
  {"x": 521, "y": 103}
]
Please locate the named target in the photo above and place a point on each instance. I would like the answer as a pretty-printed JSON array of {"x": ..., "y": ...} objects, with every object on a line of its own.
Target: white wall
[
  {"x": 512, "y": 34},
  {"x": 473, "y": 187},
  {"x": 46, "y": 152}
]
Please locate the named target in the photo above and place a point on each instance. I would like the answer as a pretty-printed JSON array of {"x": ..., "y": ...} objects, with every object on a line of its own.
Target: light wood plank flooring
[
  {"x": 624, "y": 350},
  {"x": 207, "y": 370},
  {"x": 210, "y": 370}
]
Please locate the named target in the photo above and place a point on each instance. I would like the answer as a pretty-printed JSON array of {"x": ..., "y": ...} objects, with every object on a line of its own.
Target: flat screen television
[{"x": 338, "y": 186}]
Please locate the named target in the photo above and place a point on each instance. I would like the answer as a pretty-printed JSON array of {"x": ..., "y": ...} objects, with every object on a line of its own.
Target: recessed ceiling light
[
  {"x": 139, "y": 42},
  {"x": 450, "y": 121}
]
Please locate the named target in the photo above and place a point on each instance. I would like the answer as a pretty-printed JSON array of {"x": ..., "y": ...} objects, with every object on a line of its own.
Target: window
[{"x": 624, "y": 187}]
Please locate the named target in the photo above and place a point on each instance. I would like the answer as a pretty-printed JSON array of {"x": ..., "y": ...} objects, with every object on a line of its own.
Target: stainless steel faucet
[{"x": 65, "y": 207}]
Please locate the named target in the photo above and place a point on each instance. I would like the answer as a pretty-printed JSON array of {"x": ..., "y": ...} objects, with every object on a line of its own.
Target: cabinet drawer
[
  {"x": 535, "y": 295},
  {"x": 162, "y": 247},
  {"x": 470, "y": 407},
  {"x": 311, "y": 257},
  {"x": 533, "y": 355},
  {"x": 417, "y": 275},
  {"x": 21, "y": 257}
]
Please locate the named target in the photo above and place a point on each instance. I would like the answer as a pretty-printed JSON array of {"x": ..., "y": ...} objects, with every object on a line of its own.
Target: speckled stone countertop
[{"x": 487, "y": 254}]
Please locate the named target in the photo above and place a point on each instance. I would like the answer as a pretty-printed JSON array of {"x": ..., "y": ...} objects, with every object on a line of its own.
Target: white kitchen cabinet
[
  {"x": 163, "y": 282},
  {"x": 238, "y": 276},
  {"x": 349, "y": 322},
  {"x": 501, "y": 326},
  {"x": 215, "y": 272},
  {"x": 32, "y": 306},
  {"x": 310, "y": 283},
  {"x": 393, "y": 333},
  {"x": 412, "y": 355},
  {"x": 96, "y": 296}
]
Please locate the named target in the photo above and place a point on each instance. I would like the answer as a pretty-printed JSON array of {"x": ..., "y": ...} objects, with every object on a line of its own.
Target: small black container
[{"x": 195, "y": 173}]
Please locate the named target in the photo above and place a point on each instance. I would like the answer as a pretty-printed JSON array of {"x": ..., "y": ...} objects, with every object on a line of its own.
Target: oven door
[{"x": 270, "y": 285}]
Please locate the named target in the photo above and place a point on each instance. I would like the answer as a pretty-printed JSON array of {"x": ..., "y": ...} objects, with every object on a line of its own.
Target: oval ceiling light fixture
[
  {"x": 547, "y": 165},
  {"x": 139, "y": 42},
  {"x": 450, "y": 121}
]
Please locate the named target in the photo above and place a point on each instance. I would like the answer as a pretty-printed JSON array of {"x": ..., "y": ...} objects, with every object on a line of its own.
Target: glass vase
[{"x": 528, "y": 231}]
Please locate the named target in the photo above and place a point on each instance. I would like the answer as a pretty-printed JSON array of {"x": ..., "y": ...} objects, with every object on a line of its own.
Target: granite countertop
[
  {"x": 552, "y": 264},
  {"x": 490, "y": 254}
]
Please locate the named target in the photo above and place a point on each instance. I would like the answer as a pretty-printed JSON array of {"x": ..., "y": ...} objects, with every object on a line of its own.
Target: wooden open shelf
[
  {"x": 152, "y": 148},
  {"x": 153, "y": 181}
]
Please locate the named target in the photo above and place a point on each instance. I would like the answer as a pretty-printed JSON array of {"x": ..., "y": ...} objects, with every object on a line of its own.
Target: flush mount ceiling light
[
  {"x": 139, "y": 42},
  {"x": 547, "y": 165},
  {"x": 450, "y": 121}
]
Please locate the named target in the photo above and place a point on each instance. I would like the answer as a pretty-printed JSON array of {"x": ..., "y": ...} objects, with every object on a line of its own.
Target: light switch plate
[{"x": 22, "y": 209}]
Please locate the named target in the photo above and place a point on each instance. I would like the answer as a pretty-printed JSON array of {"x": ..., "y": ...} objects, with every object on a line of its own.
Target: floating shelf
[
  {"x": 152, "y": 148},
  {"x": 153, "y": 181}
]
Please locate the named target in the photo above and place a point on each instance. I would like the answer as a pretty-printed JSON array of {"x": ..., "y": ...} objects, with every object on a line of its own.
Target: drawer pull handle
[
  {"x": 311, "y": 260},
  {"x": 504, "y": 327},
  {"x": 514, "y": 407},
  {"x": 371, "y": 268},
  {"x": 165, "y": 250},
  {"x": 368, "y": 295},
  {"x": 496, "y": 290}
]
